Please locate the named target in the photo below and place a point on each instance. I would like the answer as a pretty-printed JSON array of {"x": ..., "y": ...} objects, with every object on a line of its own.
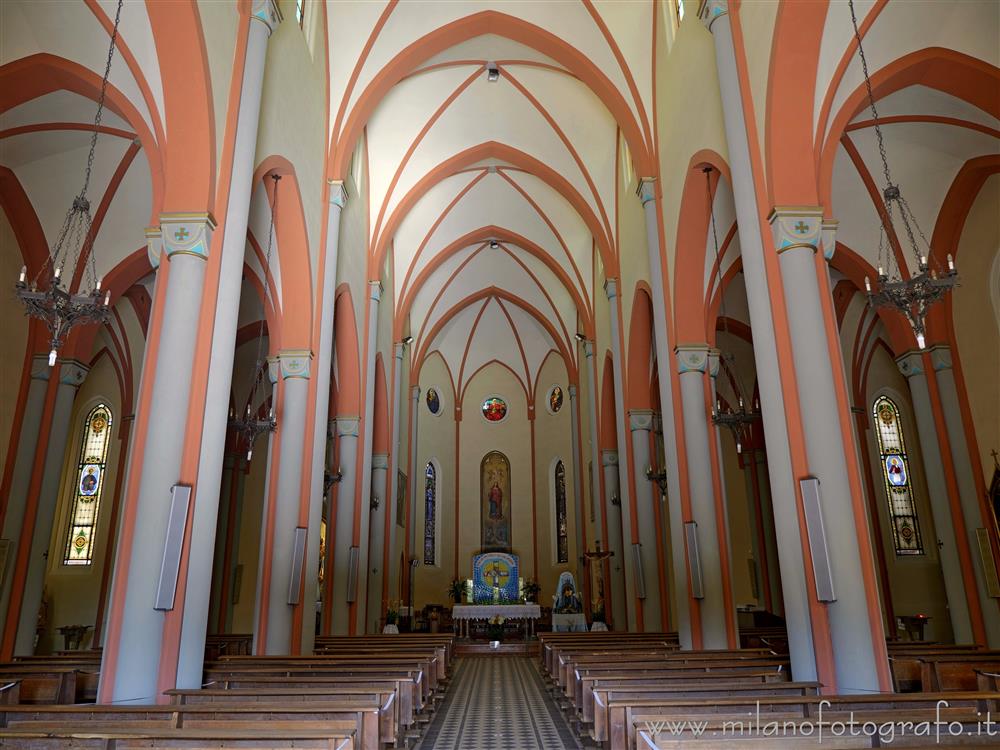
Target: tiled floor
[{"x": 497, "y": 703}]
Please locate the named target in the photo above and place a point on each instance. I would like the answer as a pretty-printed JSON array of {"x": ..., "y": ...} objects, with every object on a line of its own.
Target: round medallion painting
[
  {"x": 433, "y": 401},
  {"x": 555, "y": 399},
  {"x": 494, "y": 409}
]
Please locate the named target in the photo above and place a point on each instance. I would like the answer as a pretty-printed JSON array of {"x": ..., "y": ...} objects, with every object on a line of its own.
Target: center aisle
[{"x": 497, "y": 703}]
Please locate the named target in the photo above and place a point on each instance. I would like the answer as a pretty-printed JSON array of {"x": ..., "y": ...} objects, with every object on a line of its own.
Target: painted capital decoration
[
  {"x": 154, "y": 245},
  {"x": 294, "y": 363},
  {"x": 609, "y": 458},
  {"x": 829, "y": 235},
  {"x": 72, "y": 373},
  {"x": 647, "y": 190},
  {"x": 266, "y": 11},
  {"x": 338, "y": 193},
  {"x": 40, "y": 367},
  {"x": 640, "y": 420},
  {"x": 611, "y": 288},
  {"x": 692, "y": 358},
  {"x": 375, "y": 290},
  {"x": 711, "y": 11},
  {"x": 380, "y": 461},
  {"x": 348, "y": 426},
  {"x": 187, "y": 234},
  {"x": 714, "y": 358},
  {"x": 940, "y": 358},
  {"x": 588, "y": 348},
  {"x": 796, "y": 227},
  {"x": 911, "y": 363}
]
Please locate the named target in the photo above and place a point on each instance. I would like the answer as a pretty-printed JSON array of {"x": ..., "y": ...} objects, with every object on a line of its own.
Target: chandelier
[
  {"x": 250, "y": 426},
  {"x": 910, "y": 296},
  {"x": 739, "y": 418},
  {"x": 61, "y": 308}
]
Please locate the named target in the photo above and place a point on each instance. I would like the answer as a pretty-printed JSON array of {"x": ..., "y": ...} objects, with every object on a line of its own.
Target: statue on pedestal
[{"x": 566, "y": 600}]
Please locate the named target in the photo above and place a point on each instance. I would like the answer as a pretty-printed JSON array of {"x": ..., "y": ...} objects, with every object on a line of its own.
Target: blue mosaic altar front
[{"x": 494, "y": 573}]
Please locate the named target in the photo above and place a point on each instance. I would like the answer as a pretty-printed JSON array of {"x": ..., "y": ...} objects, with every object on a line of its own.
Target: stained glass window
[
  {"x": 88, "y": 488},
  {"x": 300, "y": 12},
  {"x": 562, "y": 525},
  {"x": 494, "y": 409},
  {"x": 896, "y": 477},
  {"x": 430, "y": 514}
]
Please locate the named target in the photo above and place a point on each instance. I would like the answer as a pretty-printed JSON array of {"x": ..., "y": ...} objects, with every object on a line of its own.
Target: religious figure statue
[
  {"x": 496, "y": 502},
  {"x": 566, "y": 600}
]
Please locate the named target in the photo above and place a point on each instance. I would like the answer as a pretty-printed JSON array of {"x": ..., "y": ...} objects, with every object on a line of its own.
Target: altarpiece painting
[{"x": 495, "y": 502}]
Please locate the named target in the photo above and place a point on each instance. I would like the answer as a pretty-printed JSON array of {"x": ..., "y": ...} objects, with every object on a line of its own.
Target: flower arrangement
[
  {"x": 456, "y": 590},
  {"x": 392, "y": 611},
  {"x": 494, "y": 627},
  {"x": 531, "y": 589}
]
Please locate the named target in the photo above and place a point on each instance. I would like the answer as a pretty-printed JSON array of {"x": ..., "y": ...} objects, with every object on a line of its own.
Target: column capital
[
  {"x": 911, "y": 363},
  {"x": 646, "y": 190},
  {"x": 415, "y": 392},
  {"x": 611, "y": 288},
  {"x": 609, "y": 458},
  {"x": 72, "y": 372},
  {"x": 40, "y": 367},
  {"x": 187, "y": 234},
  {"x": 940, "y": 357},
  {"x": 796, "y": 227},
  {"x": 380, "y": 461},
  {"x": 640, "y": 420},
  {"x": 348, "y": 426},
  {"x": 397, "y": 350},
  {"x": 588, "y": 348},
  {"x": 338, "y": 193},
  {"x": 712, "y": 10},
  {"x": 267, "y": 12},
  {"x": 572, "y": 391},
  {"x": 295, "y": 363},
  {"x": 714, "y": 358},
  {"x": 375, "y": 290},
  {"x": 273, "y": 369},
  {"x": 154, "y": 245},
  {"x": 828, "y": 234},
  {"x": 692, "y": 357}
]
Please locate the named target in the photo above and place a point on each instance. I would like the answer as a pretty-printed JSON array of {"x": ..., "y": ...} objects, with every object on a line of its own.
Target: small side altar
[{"x": 463, "y": 614}]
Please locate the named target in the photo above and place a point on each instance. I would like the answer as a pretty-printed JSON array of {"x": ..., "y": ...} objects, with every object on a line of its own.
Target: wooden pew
[
  {"x": 949, "y": 672},
  {"x": 271, "y": 737},
  {"x": 50, "y": 683},
  {"x": 907, "y": 668}
]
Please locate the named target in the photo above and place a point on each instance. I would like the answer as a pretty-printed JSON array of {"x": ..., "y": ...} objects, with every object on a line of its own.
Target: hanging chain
[
  {"x": 871, "y": 99},
  {"x": 100, "y": 103},
  {"x": 715, "y": 242}
]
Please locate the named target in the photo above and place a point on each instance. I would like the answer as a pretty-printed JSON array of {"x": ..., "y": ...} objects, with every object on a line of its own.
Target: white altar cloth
[
  {"x": 463, "y": 614},
  {"x": 486, "y": 611}
]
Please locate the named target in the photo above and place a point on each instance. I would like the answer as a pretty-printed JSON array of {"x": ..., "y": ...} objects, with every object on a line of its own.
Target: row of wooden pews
[
  {"x": 625, "y": 691},
  {"x": 365, "y": 692}
]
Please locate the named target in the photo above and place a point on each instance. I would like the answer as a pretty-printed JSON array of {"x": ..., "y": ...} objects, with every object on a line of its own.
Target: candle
[
  {"x": 107, "y": 297},
  {"x": 951, "y": 263},
  {"x": 881, "y": 271},
  {"x": 58, "y": 271},
  {"x": 923, "y": 261},
  {"x": 98, "y": 286},
  {"x": 24, "y": 271},
  {"x": 868, "y": 285},
  {"x": 52, "y": 358},
  {"x": 920, "y": 340}
]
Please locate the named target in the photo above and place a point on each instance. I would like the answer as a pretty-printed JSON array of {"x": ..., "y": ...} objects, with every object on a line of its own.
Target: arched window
[
  {"x": 562, "y": 525},
  {"x": 430, "y": 515},
  {"x": 89, "y": 487},
  {"x": 896, "y": 477}
]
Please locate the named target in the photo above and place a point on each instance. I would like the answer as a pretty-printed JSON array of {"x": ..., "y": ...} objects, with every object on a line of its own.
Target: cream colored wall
[
  {"x": 249, "y": 540},
  {"x": 915, "y": 581},
  {"x": 15, "y": 339},
  {"x": 220, "y": 24},
  {"x": 72, "y": 591},
  {"x": 352, "y": 265},
  {"x": 741, "y": 531},
  {"x": 977, "y": 321},
  {"x": 757, "y": 19}
]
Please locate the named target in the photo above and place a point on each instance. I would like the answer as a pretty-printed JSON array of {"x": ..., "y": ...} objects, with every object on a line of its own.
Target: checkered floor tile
[{"x": 497, "y": 703}]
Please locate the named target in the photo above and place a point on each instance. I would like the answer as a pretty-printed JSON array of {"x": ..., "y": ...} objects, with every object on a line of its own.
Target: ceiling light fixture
[
  {"x": 914, "y": 295},
  {"x": 494, "y": 244},
  {"x": 580, "y": 337},
  {"x": 492, "y": 72},
  {"x": 45, "y": 298},
  {"x": 407, "y": 340}
]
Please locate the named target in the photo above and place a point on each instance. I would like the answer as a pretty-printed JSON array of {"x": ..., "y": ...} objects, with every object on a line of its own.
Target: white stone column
[
  {"x": 24, "y": 445},
  {"x": 265, "y": 16},
  {"x": 71, "y": 376},
  {"x": 135, "y": 639},
  {"x": 347, "y": 438},
  {"x": 595, "y": 450},
  {"x": 374, "y": 296},
  {"x": 294, "y": 370},
  {"x": 398, "y": 350},
  {"x": 911, "y": 364},
  {"x": 648, "y": 194},
  {"x": 324, "y": 365},
  {"x": 578, "y": 509},
  {"x": 376, "y": 541},
  {"x": 615, "y": 586},
  {"x": 415, "y": 491},
  {"x": 611, "y": 289},
  {"x": 784, "y": 490},
  {"x": 797, "y": 237},
  {"x": 640, "y": 426},
  {"x": 693, "y": 362}
]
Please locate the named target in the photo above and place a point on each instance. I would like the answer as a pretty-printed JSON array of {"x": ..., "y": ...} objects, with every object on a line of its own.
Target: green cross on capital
[
  {"x": 801, "y": 227},
  {"x": 181, "y": 234}
]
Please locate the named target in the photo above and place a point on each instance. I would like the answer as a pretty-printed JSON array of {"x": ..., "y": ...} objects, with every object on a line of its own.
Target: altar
[{"x": 463, "y": 614}]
